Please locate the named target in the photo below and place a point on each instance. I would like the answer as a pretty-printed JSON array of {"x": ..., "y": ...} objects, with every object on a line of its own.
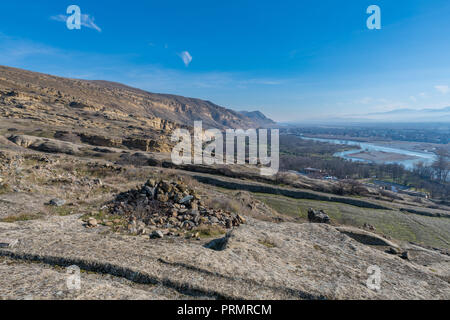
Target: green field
[{"x": 398, "y": 225}]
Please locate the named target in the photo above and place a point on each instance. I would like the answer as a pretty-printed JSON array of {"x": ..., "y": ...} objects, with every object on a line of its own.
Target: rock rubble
[{"x": 169, "y": 205}]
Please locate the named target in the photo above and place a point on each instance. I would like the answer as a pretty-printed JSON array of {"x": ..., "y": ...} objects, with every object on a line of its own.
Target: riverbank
[
  {"x": 381, "y": 156},
  {"x": 380, "y": 153}
]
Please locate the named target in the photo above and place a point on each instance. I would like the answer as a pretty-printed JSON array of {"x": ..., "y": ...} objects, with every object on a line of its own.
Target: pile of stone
[{"x": 171, "y": 206}]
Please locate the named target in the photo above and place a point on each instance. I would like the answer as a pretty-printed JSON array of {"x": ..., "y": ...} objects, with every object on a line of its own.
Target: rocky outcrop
[
  {"x": 146, "y": 145},
  {"x": 101, "y": 141},
  {"x": 58, "y": 146},
  {"x": 366, "y": 237},
  {"x": 161, "y": 124},
  {"x": 45, "y": 145},
  {"x": 136, "y": 143}
]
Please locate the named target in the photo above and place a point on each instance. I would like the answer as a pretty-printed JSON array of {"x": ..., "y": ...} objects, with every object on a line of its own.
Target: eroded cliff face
[
  {"x": 116, "y": 101},
  {"x": 46, "y": 112}
]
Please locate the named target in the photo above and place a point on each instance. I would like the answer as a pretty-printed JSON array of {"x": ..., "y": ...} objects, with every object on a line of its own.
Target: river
[{"x": 425, "y": 157}]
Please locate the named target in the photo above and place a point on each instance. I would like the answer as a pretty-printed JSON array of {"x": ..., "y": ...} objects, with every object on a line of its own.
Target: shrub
[{"x": 225, "y": 204}]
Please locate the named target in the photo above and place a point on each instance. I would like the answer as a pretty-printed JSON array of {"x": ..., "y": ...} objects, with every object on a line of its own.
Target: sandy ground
[{"x": 380, "y": 156}]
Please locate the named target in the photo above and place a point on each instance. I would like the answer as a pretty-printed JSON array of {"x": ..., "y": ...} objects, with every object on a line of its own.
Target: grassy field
[{"x": 398, "y": 225}]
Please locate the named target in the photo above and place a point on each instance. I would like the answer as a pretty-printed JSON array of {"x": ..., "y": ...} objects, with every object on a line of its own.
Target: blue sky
[{"x": 293, "y": 60}]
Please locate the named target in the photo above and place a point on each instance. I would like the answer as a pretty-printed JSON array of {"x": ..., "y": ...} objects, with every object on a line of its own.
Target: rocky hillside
[
  {"x": 259, "y": 260},
  {"x": 100, "y": 113},
  {"x": 110, "y": 97},
  {"x": 259, "y": 118}
]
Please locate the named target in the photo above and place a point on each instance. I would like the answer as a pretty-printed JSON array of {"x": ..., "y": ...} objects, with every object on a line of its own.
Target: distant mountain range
[
  {"x": 394, "y": 116},
  {"x": 409, "y": 115},
  {"x": 414, "y": 111},
  {"x": 259, "y": 118}
]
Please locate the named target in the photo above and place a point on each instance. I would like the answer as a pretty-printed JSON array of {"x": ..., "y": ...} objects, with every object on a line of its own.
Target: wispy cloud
[
  {"x": 27, "y": 54},
  {"x": 444, "y": 89},
  {"x": 15, "y": 52},
  {"x": 365, "y": 100},
  {"x": 268, "y": 82},
  {"x": 86, "y": 21},
  {"x": 186, "y": 57}
]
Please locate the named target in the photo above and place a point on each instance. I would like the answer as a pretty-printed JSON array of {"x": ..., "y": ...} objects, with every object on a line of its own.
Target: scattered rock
[
  {"x": 241, "y": 219},
  {"x": 369, "y": 227},
  {"x": 162, "y": 197},
  {"x": 57, "y": 202},
  {"x": 156, "y": 235},
  {"x": 92, "y": 223},
  {"x": 214, "y": 219},
  {"x": 186, "y": 199},
  {"x": 405, "y": 255}
]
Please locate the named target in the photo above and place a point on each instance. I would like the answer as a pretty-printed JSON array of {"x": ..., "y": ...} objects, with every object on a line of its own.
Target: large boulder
[{"x": 318, "y": 216}]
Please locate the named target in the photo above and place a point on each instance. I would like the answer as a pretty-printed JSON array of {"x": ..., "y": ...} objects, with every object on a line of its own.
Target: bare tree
[
  {"x": 423, "y": 171},
  {"x": 442, "y": 165}
]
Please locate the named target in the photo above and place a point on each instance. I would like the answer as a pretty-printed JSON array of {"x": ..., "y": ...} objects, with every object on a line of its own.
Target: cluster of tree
[
  {"x": 292, "y": 145},
  {"x": 434, "y": 178},
  {"x": 297, "y": 155}
]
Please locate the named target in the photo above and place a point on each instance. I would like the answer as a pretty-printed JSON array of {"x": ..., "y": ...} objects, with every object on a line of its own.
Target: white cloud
[
  {"x": 413, "y": 98},
  {"x": 86, "y": 21},
  {"x": 186, "y": 57},
  {"x": 444, "y": 89}
]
